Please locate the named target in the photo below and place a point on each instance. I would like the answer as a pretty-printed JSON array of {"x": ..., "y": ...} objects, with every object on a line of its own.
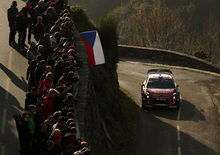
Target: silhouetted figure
[
  {"x": 12, "y": 13},
  {"x": 22, "y": 28},
  {"x": 29, "y": 14},
  {"x": 31, "y": 98},
  {"x": 24, "y": 133},
  {"x": 34, "y": 3},
  {"x": 38, "y": 28}
]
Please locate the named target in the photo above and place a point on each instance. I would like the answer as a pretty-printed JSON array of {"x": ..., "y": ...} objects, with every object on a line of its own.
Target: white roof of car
[{"x": 158, "y": 75}]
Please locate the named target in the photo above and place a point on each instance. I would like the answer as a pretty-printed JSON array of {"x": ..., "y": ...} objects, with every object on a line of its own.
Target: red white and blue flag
[{"x": 94, "y": 47}]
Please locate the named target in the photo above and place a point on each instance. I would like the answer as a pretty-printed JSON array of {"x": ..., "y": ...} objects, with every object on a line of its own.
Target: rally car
[{"x": 160, "y": 90}]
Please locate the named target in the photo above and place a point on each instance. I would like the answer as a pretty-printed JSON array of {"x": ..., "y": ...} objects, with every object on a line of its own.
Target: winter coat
[
  {"x": 12, "y": 13},
  {"x": 49, "y": 107},
  {"x": 21, "y": 23},
  {"x": 44, "y": 85},
  {"x": 39, "y": 71}
]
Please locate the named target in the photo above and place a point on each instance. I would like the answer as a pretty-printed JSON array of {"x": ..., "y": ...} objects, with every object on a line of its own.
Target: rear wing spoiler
[{"x": 166, "y": 71}]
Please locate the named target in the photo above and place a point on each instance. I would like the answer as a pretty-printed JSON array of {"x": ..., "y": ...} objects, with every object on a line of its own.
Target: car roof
[{"x": 160, "y": 75}]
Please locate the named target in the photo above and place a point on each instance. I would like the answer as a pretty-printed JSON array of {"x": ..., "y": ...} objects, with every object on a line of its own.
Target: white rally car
[{"x": 160, "y": 90}]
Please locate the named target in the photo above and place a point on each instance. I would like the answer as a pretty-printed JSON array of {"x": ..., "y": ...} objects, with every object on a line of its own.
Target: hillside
[
  {"x": 188, "y": 26},
  {"x": 97, "y": 8}
]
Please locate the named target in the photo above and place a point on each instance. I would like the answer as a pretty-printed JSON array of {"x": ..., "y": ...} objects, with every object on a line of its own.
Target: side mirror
[{"x": 177, "y": 86}]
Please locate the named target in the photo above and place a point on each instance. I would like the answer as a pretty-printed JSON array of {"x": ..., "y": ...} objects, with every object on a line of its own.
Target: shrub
[
  {"x": 108, "y": 36},
  {"x": 81, "y": 19}
]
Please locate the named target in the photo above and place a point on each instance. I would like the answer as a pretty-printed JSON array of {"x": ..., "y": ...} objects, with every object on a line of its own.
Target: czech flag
[{"x": 94, "y": 47}]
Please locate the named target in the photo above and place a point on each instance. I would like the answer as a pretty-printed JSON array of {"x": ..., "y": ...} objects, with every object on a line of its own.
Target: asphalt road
[
  {"x": 191, "y": 130},
  {"x": 12, "y": 85}
]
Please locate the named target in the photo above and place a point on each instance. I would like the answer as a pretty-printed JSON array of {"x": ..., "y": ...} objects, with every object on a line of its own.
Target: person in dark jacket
[
  {"x": 31, "y": 98},
  {"x": 12, "y": 13},
  {"x": 40, "y": 8},
  {"x": 32, "y": 52},
  {"x": 39, "y": 28},
  {"x": 29, "y": 14},
  {"x": 24, "y": 134},
  {"x": 48, "y": 20},
  {"x": 38, "y": 116},
  {"x": 30, "y": 76},
  {"x": 58, "y": 70},
  {"x": 21, "y": 23},
  {"x": 39, "y": 71},
  {"x": 34, "y": 3}
]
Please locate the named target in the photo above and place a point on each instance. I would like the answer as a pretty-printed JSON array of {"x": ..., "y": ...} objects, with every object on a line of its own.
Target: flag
[{"x": 94, "y": 47}]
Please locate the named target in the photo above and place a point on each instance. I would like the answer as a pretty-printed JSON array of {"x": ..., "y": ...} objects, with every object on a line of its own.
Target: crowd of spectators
[{"x": 48, "y": 125}]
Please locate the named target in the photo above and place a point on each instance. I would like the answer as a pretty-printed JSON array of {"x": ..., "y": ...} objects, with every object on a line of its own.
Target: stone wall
[
  {"x": 90, "y": 124},
  {"x": 153, "y": 55}
]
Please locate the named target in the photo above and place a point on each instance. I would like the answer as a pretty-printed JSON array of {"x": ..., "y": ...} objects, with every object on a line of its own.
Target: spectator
[
  {"x": 31, "y": 124},
  {"x": 61, "y": 125},
  {"x": 48, "y": 69},
  {"x": 21, "y": 23},
  {"x": 38, "y": 29},
  {"x": 39, "y": 71},
  {"x": 55, "y": 27},
  {"x": 31, "y": 98},
  {"x": 12, "y": 13},
  {"x": 30, "y": 76},
  {"x": 40, "y": 8},
  {"x": 24, "y": 134},
  {"x": 49, "y": 103},
  {"x": 58, "y": 70},
  {"x": 57, "y": 138},
  {"x": 70, "y": 138},
  {"x": 30, "y": 17},
  {"x": 32, "y": 52},
  {"x": 38, "y": 117},
  {"x": 51, "y": 124},
  {"x": 34, "y": 3},
  {"x": 46, "y": 84},
  {"x": 48, "y": 20}
]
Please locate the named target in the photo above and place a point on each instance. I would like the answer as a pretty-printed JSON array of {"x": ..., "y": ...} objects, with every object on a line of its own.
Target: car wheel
[
  {"x": 142, "y": 104},
  {"x": 178, "y": 106}
]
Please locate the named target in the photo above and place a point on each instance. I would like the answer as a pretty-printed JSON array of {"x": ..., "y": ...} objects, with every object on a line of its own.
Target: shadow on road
[
  {"x": 188, "y": 112},
  {"x": 12, "y": 106},
  {"x": 10, "y": 102},
  {"x": 21, "y": 51},
  {"x": 156, "y": 137},
  {"x": 20, "y": 83}
]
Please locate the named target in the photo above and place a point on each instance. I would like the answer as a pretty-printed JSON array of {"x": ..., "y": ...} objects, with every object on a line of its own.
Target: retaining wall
[
  {"x": 153, "y": 55},
  {"x": 90, "y": 124}
]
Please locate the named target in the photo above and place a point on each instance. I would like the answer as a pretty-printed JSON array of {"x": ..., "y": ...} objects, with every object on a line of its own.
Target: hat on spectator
[{"x": 32, "y": 106}]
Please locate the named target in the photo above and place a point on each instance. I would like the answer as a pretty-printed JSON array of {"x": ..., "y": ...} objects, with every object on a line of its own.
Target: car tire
[
  {"x": 142, "y": 104},
  {"x": 178, "y": 106}
]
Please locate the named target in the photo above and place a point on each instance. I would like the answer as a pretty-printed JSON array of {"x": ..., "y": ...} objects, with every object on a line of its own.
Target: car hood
[{"x": 160, "y": 91}]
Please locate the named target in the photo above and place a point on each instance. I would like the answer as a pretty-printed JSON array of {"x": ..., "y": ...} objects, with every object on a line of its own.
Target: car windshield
[{"x": 160, "y": 83}]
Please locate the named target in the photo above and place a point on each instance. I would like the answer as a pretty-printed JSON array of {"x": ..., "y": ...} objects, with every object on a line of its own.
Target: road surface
[
  {"x": 191, "y": 130},
  {"x": 12, "y": 85}
]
